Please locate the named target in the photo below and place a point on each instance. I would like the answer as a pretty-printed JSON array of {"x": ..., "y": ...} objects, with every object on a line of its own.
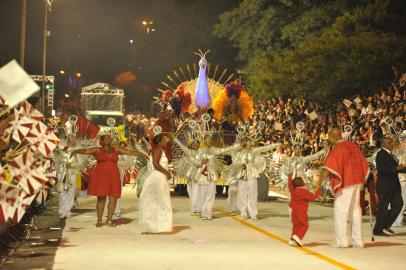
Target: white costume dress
[{"x": 155, "y": 208}]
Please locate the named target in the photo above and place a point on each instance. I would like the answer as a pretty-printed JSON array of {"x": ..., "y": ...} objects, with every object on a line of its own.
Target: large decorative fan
[
  {"x": 30, "y": 177},
  {"x": 21, "y": 204},
  {"x": 42, "y": 194},
  {"x": 8, "y": 194},
  {"x": 19, "y": 128},
  {"x": 42, "y": 139},
  {"x": 27, "y": 110}
]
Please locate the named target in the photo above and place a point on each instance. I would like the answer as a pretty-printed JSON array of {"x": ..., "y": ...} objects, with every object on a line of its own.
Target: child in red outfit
[{"x": 299, "y": 202}]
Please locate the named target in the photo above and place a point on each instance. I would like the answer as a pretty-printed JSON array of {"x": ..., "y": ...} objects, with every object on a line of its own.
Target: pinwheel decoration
[
  {"x": 21, "y": 204},
  {"x": 8, "y": 194},
  {"x": 29, "y": 177},
  {"x": 19, "y": 128},
  {"x": 42, "y": 139},
  {"x": 42, "y": 194},
  {"x": 27, "y": 110}
]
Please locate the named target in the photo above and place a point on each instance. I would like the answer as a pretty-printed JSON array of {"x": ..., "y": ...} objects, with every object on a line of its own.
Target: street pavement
[{"x": 225, "y": 242}]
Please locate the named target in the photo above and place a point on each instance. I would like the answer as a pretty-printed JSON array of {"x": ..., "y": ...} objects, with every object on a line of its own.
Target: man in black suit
[{"x": 388, "y": 189}]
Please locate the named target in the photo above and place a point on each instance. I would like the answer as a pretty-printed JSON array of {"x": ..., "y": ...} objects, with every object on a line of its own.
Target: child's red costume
[{"x": 299, "y": 202}]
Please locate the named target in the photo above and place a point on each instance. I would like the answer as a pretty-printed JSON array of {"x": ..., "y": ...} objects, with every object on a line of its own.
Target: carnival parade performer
[
  {"x": 67, "y": 168},
  {"x": 155, "y": 208},
  {"x": 299, "y": 201},
  {"x": 189, "y": 167},
  {"x": 232, "y": 182},
  {"x": 247, "y": 166},
  {"x": 348, "y": 170},
  {"x": 207, "y": 155},
  {"x": 105, "y": 176}
]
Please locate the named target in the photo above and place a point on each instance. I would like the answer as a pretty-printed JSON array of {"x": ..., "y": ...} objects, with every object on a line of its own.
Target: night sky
[{"x": 93, "y": 37}]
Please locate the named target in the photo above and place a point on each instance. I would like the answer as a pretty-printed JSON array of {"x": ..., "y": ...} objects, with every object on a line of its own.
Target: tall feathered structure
[{"x": 202, "y": 99}]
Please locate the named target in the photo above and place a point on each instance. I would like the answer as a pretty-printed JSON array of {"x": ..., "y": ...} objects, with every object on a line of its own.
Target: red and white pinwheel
[
  {"x": 29, "y": 111},
  {"x": 8, "y": 195},
  {"x": 42, "y": 139},
  {"x": 19, "y": 128},
  {"x": 24, "y": 169},
  {"x": 21, "y": 204},
  {"x": 42, "y": 194}
]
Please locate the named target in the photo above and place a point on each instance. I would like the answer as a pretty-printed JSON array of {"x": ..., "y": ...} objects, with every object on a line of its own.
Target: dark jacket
[{"x": 388, "y": 179}]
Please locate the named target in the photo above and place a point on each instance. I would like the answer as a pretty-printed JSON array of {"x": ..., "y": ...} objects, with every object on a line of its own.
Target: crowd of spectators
[{"x": 368, "y": 116}]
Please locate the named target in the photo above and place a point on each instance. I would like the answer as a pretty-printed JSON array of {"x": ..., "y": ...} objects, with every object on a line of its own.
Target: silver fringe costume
[
  {"x": 297, "y": 166},
  {"x": 249, "y": 163}
]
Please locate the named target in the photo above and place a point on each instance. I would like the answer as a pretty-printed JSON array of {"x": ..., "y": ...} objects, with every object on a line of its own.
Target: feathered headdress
[
  {"x": 234, "y": 89},
  {"x": 245, "y": 104}
]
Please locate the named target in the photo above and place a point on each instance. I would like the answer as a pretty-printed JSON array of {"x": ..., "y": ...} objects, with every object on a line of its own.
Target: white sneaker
[
  {"x": 292, "y": 243},
  {"x": 297, "y": 240},
  {"x": 390, "y": 232},
  {"x": 243, "y": 217},
  {"x": 254, "y": 219},
  {"x": 117, "y": 214}
]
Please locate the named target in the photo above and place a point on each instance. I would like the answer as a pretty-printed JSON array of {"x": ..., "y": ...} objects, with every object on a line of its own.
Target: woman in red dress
[{"x": 105, "y": 176}]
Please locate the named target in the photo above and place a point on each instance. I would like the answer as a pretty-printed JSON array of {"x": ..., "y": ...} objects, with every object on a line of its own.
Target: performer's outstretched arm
[
  {"x": 185, "y": 150},
  {"x": 86, "y": 151},
  {"x": 128, "y": 152},
  {"x": 314, "y": 156},
  {"x": 265, "y": 148},
  {"x": 227, "y": 150}
]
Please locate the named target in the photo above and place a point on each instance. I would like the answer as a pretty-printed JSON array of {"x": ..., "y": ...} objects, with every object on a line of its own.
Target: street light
[
  {"x": 78, "y": 74},
  {"x": 62, "y": 72},
  {"x": 67, "y": 95},
  {"x": 148, "y": 24}
]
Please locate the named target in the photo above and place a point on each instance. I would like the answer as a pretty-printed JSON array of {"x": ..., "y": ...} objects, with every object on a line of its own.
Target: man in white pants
[
  {"x": 348, "y": 170},
  {"x": 233, "y": 195},
  {"x": 193, "y": 191},
  {"x": 248, "y": 161}
]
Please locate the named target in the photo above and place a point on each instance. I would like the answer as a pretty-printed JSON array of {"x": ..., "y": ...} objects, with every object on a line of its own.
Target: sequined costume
[
  {"x": 247, "y": 165},
  {"x": 209, "y": 173},
  {"x": 188, "y": 167}
]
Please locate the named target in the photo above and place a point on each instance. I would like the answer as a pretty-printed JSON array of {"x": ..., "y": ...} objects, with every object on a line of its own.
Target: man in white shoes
[{"x": 348, "y": 170}]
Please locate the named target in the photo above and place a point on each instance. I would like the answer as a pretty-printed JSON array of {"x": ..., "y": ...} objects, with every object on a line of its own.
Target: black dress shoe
[
  {"x": 381, "y": 234},
  {"x": 388, "y": 231}
]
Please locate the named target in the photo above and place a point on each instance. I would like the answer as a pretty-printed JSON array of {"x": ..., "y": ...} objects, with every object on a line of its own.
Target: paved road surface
[{"x": 223, "y": 243}]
